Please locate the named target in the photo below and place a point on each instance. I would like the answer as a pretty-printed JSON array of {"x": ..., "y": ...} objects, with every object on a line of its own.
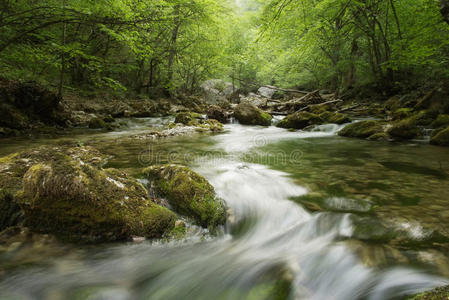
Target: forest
[
  {"x": 224, "y": 149},
  {"x": 155, "y": 47}
]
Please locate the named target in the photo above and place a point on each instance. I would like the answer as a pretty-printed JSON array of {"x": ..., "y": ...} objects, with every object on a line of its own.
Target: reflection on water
[{"x": 352, "y": 235}]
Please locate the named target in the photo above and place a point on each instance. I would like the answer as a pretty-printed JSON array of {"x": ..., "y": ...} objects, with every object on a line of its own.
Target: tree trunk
[
  {"x": 61, "y": 75},
  {"x": 444, "y": 8},
  {"x": 174, "y": 38}
]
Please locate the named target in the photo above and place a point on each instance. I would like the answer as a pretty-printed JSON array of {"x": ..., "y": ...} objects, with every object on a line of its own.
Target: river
[{"x": 311, "y": 216}]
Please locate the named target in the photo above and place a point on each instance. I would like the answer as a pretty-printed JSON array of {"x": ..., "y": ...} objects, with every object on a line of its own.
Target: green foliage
[
  {"x": 159, "y": 46},
  {"x": 140, "y": 46}
]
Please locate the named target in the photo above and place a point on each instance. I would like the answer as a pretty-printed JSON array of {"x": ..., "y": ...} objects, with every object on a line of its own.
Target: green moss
[
  {"x": 97, "y": 123},
  {"x": 248, "y": 114},
  {"x": 425, "y": 117},
  {"x": 66, "y": 192},
  {"x": 441, "y": 138},
  {"x": 188, "y": 118},
  {"x": 393, "y": 104},
  {"x": 10, "y": 213},
  {"x": 380, "y": 136},
  {"x": 402, "y": 113},
  {"x": 404, "y": 129},
  {"x": 178, "y": 232},
  {"x": 334, "y": 118},
  {"x": 300, "y": 120},
  {"x": 210, "y": 125},
  {"x": 363, "y": 129},
  {"x": 189, "y": 193},
  {"x": 441, "y": 121},
  {"x": 436, "y": 294},
  {"x": 317, "y": 109},
  {"x": 108, "y": 119}
]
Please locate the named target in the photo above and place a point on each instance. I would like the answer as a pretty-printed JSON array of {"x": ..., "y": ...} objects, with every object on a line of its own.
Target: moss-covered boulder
[
  {"x": 441, "y": 120},
  {"x": 334, "y": 117},
  {"x": 363, "y": 129},
  {"x": 65, "y": 191},
  {"x": 210, "y": 125},
  {"x": 300, "y": 120},
  {"x": 393, "y": 104},
  {"x": 402, "y": 113},
  {"x": 217, "y": 113},
  {"x": 10, "y": 212},
  {"x": 97, "y": 123},
  {"x": 404, "y": 129},
  {"x": 188, "y": 193},
  {"x": 441, "y": 138},
  {"x": 248, "y": 114},
  {"x": 439, "y": 293},
  {"x": 188, "y": 118}
]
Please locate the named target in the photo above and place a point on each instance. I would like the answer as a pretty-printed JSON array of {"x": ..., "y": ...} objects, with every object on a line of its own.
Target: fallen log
[
  {"x": 278, "y": 113},
  {"x": 271, "y": 87},
  {"x": 319, "y": 104},
  {"x": 349, "y": 108}
]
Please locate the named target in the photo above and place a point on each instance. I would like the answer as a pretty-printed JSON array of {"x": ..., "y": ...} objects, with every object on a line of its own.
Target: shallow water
[{"x": 338, "y": 218}]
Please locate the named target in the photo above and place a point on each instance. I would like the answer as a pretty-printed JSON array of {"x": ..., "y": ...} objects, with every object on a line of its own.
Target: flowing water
[{"x": 311, "y": 216}]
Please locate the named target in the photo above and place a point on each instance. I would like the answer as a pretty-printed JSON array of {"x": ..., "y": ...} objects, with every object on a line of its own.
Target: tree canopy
[{"x": 167, "y": 46}]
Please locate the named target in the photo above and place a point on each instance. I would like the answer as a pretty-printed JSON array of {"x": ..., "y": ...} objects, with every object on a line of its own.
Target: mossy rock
[
  {"x": 363, "y": 129},
  {"x": 402, "y": 113},
  {"x": 439, "y": 293},
  {"x": 108, "y": 119},
  {"x": 12, "y": 118},
  {"x": 188, "y": 118},
  {"x": 441, "y": 121},
  {"x": 380, "y": 136},
  {"x": 248, "y": 114},
  {"x": 210, "y": 125},
  {"x": 334, "y": 118},
  {"x": 300, "y": 120},
  {"x": 188, "y": 193},
  {"x": 217, "y": 113},
  {"x": 10, "y": 212},
  {"x": 393, "y": 104},
  {"x": 97, "y": 123},
  {"x": 404, "y": 129},
  {"x": 425, "y": 117},
  {"x": 65, "y": 191},
  {"x": 441, "y": 138},
  {"x": 8, "y": 132}
]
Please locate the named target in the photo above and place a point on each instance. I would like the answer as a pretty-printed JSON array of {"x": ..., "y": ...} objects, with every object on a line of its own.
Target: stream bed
[{"x": 311, "y": 216}]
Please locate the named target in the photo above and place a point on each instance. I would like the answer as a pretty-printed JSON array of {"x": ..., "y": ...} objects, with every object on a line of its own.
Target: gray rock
[
  {"x": 267, "y": 91},
  {"x": 217, "y": 90}
]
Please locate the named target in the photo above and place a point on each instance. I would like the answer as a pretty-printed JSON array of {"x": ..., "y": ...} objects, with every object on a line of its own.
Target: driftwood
[
  {"x": 349, "y": 108},
  {"x": 319, "y": 104},
  {"x": 278, "y": 113},
  {"x": 271, "y": 87},
  {"x": 295, "y": 104}
]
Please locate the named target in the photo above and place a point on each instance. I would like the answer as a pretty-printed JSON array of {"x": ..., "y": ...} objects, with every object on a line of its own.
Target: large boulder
[
  {"x": 363, "y": 129},
  {"x": 267, "y": 91},
  {"x": 441, "y": 138},
  {"x": 23, "y": 104},
  {"x": 65, "y": 191},
  {"x": 334, "y": 117},
  {"x": 248, "y": 114},
  {"x": 300, "y": 120},
  {"x": 188, "y": 118},
  {"x": 255, "y": 100},
  {"x": 196, "y": 120},
  {"x": 404, "y": 129},
  {"x": 217, "y": 113},
  {"x": 216, "y": 91},
  {"x": 188, "y": 193}
]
